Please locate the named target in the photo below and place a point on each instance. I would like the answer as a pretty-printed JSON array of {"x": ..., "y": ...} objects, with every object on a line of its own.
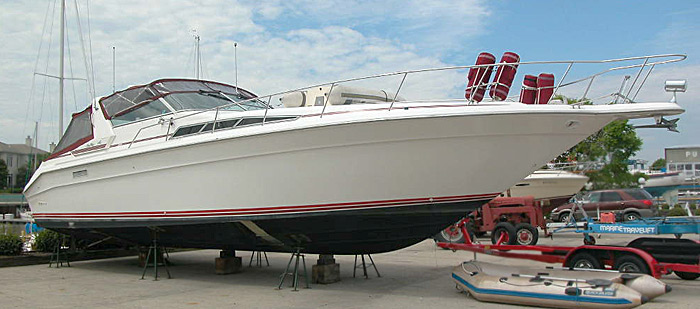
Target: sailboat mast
[
  {"x": 36, "y": 143},
  {"x": 60, "y": 70}
]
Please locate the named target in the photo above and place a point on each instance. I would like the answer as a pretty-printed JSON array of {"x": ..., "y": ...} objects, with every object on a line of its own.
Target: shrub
[
  {"x": 664, "y": 206},
  {"x": 677, "y": 211},
  {"x": 10, "y": 244},
  {"x": 46, "y": 241}
]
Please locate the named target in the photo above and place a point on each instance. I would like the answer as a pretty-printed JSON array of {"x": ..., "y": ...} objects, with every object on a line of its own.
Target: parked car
[{"x": 627, "y": 204}]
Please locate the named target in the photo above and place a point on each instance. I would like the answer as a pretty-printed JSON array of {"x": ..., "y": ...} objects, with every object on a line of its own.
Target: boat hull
[
  {"x": 340, "y": 232},
  {"x": 350, "y": 167},
  {"x": 553, "y": 188}
]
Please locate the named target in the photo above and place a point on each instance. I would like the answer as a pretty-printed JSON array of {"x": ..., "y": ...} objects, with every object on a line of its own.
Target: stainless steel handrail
[{"x": 561, "y": 84}]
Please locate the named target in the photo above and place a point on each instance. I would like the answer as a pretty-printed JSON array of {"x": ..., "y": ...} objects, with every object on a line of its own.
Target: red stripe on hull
[{"x": 268, "y": 210}]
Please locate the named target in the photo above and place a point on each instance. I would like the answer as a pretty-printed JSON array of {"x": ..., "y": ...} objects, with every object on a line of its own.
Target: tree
[
  {"x": 613, "y": 145},
  {"x": 3, "y": 174},
  {"x": 658, "y": 164},
  {"x": 22, "y": 176}
]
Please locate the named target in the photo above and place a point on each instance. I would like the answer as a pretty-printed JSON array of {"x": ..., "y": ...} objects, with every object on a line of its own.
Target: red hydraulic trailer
[{"x": 628, "y": 259}]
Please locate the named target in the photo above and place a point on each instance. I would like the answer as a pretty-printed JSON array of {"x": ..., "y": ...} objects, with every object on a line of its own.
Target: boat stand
[
  {"x": 258, "y": 259},
  {"x": 296, "y": 256},
  {"x": 364, "y": 266},
  {"x": 156, "y": 251},
  {"x": 58, "y": 256}
]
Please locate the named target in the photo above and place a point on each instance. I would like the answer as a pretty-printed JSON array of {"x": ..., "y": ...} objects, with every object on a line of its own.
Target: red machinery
[
  {"x": 479, "y": 77},
  {"x": 511, "y": 220}
]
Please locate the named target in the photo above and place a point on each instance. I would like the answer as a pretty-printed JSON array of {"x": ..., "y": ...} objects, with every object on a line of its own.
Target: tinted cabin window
[
  {"x": 226, "y": 124},
  {"x": 188, "y": 130},
  {"x": 249, "y": 121},
  {"x": 610, "y": 197}
]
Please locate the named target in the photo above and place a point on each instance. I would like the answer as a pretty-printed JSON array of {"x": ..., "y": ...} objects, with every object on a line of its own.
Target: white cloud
[{"x": 153, "y": 40}]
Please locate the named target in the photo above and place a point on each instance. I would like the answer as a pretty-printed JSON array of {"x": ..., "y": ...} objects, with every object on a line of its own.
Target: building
[
  {"x": 686, "y": 160},
  {"x": 16, "y": 156}
]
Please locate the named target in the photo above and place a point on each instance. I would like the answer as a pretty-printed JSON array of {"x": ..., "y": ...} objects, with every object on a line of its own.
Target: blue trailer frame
[
  {"x": 647, "y": 226},
  {"x": 676, "y": 226}
]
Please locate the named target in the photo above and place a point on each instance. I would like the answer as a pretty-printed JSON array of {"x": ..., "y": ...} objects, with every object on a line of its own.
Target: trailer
[
  {"x": 677, "y": 226},
  {"x": 653, "y": 256}
]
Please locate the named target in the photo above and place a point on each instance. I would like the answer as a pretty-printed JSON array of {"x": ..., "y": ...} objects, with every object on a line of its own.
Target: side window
[
  {"x": 79, "y": 131},
  {"x": 610, "y": 197},
  {"x": 594, "y": 197}
]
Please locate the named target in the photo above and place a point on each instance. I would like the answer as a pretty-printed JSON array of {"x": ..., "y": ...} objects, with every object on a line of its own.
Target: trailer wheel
[
  {"x": 631, "y": 264},
  {"x": 526, "y": 234},
  {"x": 452, "y": 234},
  {"x": 507, "y": 230},
  {"x": 584, "y": 260},
  {"x": 686, "y": 275},
  {"x": 632, "y": 216},
  {"x": 565, "y": 217}
]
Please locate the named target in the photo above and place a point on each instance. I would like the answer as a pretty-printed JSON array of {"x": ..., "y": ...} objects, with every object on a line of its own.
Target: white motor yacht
[
  {"x": 337, "y": 171},
  {"x": 551, "y": 187}
]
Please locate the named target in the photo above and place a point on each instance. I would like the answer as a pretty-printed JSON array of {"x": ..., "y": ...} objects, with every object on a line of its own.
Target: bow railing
[{"x": 647, "y": 62}]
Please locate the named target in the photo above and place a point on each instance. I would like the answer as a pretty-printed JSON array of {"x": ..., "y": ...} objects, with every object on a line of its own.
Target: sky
[{"x": 289, "y": 44}]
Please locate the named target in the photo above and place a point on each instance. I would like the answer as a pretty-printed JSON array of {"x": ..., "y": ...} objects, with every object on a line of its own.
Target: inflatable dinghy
[
  {"x": 644, "y": 284},
  {"x": 544, "y": 291}
]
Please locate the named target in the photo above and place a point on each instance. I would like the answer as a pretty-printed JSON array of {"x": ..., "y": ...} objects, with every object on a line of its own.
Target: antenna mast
[
  {"x": 114, "y": 68},
  {"x": 235, "y": 63},
  {"x": 197, "y": 55}
]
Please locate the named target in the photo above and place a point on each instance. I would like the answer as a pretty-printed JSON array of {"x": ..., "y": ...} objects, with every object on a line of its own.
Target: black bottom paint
[{"x": 333, "y": 232}]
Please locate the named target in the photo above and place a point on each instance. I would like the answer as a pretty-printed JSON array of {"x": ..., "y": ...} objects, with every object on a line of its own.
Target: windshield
[
  {"x": 208, "y": 100},
  {"x": 139, "y": 112},
  {"x": 191, "y": 94}
]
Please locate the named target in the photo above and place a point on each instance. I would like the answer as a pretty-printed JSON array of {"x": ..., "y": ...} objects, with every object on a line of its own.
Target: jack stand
[
  {"x": 258, "y": 258},
  {"x": 364, "y": 266},
  {"x": 295, "y": 274},
  {"x": 153, "y": 251},
  {"x": 57, "y": 256}
]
